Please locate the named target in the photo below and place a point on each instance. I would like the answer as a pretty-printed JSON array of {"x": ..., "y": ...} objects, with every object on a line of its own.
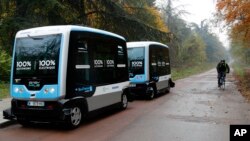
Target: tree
[
  {"x": 179, "y": 30},
  {"x": 5, "y": 61},
  {"x": 194, "y": 48},
  {"x": 236, "y": 13},
  {"x": 21, "y": 14},
  {"x": 240, "y": 53},
  {"x": 144, "y": 23},
  {"x": 215, "y": 51}
]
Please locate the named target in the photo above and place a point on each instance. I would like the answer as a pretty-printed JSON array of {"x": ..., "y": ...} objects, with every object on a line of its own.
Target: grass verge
[
  {"x": 185, "y": 71},
  {"x": 242, "y": 74},
  {"x": 4, "y": 90}
]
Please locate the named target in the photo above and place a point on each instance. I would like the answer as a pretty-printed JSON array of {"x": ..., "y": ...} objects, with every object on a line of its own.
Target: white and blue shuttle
[
  {"x": 61, "y": 73},
  {"x": 149, "y": 68}
]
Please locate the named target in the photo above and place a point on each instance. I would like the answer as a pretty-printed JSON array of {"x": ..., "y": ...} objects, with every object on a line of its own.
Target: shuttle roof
[
  {"x": 144, "y": 43},
  {"x": 62, "y": 29}
]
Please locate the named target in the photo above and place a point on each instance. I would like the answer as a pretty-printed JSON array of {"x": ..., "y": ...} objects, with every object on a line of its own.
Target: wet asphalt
[{"x": 195, "y": 110}]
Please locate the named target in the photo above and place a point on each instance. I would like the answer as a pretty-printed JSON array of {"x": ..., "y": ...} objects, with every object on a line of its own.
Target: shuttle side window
[
  {"x": 94, "y": 60},
  {"x": 153, "y": 59},
  {"x": 82, "y": 65},
  {"x": 121, "y": 66},
  {"x": 104, "y": 62},
  {"x": 159, "y": 60}
]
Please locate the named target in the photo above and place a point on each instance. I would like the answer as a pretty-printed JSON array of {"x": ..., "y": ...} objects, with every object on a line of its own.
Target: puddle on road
[
  {"x": 208, "y": 103},
  {"x": 203, "y": 119}
]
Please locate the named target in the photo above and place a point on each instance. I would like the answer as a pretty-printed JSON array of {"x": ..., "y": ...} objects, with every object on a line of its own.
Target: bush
[
  {"x": 242, "y": 74},
  {"x": 4, "y": 90},
  {"x": 5, "y": 65}
]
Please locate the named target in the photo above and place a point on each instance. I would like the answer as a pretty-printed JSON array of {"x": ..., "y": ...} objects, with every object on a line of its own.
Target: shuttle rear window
[{"x": 136, "y": 57}]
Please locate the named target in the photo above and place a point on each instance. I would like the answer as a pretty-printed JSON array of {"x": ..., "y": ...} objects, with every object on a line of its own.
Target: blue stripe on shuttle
[
  {"x": 138, "y": 79},
  {"x": 26, "y": 94},
  {"x": 12, "y": 68}
]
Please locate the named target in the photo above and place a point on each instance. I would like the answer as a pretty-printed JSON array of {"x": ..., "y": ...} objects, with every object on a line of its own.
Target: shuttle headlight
[
  {"x": 20, "y": 90},
  {"x": 16, "y": 90},
  {"x": 46, "y": 90},
  {"x": 51, "y": 90},
  {"x": 132, "y": 85}
]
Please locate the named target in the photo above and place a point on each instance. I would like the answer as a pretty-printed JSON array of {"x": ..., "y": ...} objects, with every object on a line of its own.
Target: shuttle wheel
[
  {"x": 75, "y": 117},
  {"x": 124, "y": 101},
  {"x": 151, "y": 95},
  {"x": 167, "y": 89}
]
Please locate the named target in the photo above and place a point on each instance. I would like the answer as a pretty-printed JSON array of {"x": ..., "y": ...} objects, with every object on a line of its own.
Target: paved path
[
  {"x": 195, "y": 110},
  {"x": 4, "y": 104}
]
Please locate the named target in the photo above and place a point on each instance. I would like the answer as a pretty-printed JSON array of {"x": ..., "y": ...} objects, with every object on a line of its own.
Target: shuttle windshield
[
  {"x": 37, "y": 57},
  {"x": 136, "y": 57}
]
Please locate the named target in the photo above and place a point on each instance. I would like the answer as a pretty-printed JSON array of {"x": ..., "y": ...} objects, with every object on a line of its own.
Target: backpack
[{"x": 223, "y": 67}]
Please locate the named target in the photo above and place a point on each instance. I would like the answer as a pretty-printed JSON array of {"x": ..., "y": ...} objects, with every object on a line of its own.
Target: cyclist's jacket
[{"x": 223, "y": 67}]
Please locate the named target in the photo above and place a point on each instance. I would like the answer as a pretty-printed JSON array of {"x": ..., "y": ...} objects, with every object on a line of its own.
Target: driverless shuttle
[
  {"x": 149, "y": 68},
  {"x": 61, "y": 73}
]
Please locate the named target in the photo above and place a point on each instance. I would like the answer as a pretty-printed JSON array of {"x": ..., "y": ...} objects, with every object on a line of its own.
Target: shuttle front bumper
[
  {"x": 140, "y": 90},
  {"x": 51, "y": 111}
]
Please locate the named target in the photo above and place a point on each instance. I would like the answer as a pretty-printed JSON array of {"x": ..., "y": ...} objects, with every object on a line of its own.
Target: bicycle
[{"x": 222, "y": 81}]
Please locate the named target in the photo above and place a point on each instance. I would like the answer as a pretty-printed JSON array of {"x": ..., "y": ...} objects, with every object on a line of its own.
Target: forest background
[{"x": 193, "y": 47}]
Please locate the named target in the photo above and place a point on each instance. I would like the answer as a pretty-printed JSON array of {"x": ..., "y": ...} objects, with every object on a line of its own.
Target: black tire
[
  {"x": 75, "y": 118},
  {"x": 124, "y": 102},
  {"x": 151, "y": 95},
  {"x": 223, "y": 86},
  {"x": 167, "y": 89}
]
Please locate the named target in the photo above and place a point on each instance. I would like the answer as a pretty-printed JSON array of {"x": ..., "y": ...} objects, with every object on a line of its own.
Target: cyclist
[{"x": 222, "y": 69}]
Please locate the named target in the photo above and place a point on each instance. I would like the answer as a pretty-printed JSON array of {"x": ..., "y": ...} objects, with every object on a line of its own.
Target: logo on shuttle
[
  {"x": 98, "y": 63},
  {"x": 136, "y": 63},
  {"x": 110, "y": 63},
  {"x": 23, "y": 65},
  {"x": 47, "y": 64}
]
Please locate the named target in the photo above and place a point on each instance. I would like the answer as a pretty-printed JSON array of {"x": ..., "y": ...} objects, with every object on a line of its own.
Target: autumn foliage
[{"x": 236, "y": 13}]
